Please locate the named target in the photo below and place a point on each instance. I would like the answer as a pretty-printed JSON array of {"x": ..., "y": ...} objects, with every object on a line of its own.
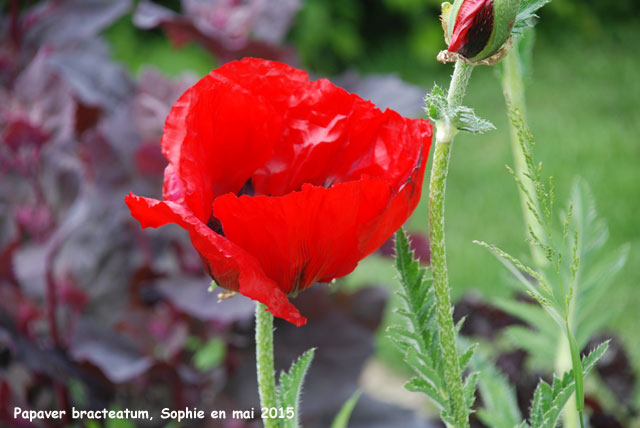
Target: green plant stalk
[
  {"x": 577, "y": 374},
  {"x": 445, "y": 132},
  {"x": 513, "y": 88},
  {"x": 264, "y": 361}
]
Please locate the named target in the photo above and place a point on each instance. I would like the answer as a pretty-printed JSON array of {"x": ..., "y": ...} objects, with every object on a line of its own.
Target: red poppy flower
[{"x": 282, "y": 182}]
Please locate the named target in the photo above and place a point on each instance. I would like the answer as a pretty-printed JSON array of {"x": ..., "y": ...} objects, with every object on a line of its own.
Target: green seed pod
[{"x": 478, "y": 29}]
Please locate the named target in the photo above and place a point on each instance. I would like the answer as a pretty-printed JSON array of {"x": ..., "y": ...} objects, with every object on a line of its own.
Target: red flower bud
[
  {"x": 478, "y": 29},
  {"x": 473, "y": 27}
]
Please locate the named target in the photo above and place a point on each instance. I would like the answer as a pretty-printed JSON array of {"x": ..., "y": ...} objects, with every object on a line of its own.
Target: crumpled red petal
[
  {"x": 232, "y": 267},
  {"x": 215, "y": 136},
  {"x": 464, "y": 22},
  {"x": 316, "y": 234}
]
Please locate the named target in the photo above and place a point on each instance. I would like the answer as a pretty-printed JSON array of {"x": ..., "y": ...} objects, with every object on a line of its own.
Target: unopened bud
[{"x": 478, "y": 29}]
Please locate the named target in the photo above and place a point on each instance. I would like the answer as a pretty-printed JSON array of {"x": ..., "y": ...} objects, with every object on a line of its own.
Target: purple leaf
[
  {"x": 191, "y": 296},
  {"x": 149, "y": 15},
  {"x": 155, "y": 95},
  {"x": 61, "y": 22},
  {"x": 386, "y": 91},
  {"x": 93, "y": 77},
  {"x": 118, "y": 358},
  {"x": 41, "y": 99}
]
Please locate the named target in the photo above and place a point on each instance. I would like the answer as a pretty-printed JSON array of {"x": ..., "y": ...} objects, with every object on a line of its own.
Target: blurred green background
[{"x": 583, "y": 101}]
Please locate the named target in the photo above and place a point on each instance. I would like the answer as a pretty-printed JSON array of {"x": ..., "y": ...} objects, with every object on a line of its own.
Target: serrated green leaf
[
  {"x": 465, "y": 119},
  {"x": 549, "y": 401},
  {"x": 436, "y": 105},
  {"x": 594, "y": 356},
  {"x": 527, "y": 14},
  {"x": 418, "y": 338},
  {"x": 423, "y": 367},
  {"x": 465, "y": 358},
  {"x": 420, "y": 385},
  {"x": 469, "y": 388},
  {"x": 290, "y": 386},
  {"x": 342, "y": 418}
]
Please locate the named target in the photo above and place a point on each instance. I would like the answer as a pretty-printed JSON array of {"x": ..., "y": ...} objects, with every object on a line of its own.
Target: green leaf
[
  {"x": 469, "y": 388},
  {"x": 290, "y": 386},
  {"x": 531, "y": 314},
  {"x": 549, "y": 400},
  {"x": 342, "y": 418},
  {"x": 540, "y": 346},
  {"x": 417, "y": 338},
  {"x": 436, "y": 105},
  {"x": 419, "y": 384},
  {"x": 465, "y": 358},
  {"x": 500, "y": 406},
  {"x": 210, "y": 355},
  {"x": 527, "y": 14},
  {"x": 465, "y": 119}
]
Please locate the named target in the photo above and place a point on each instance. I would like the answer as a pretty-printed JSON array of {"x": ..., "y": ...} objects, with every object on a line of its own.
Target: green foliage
[
  {"x": 138, "y": 49},
  {"x": 527, "y": 14},
  {"x": 326, "y": 34},
  {"x": 209, "y": 355},
  {"x": 500, "y": 406},
  {"x": 576, "y": 270},
  {"x": 418, "y": 338},
  {"x": 578, "y": 274},
  {"x": 342, "y": 418},
  {"x": 290, "y": 387},
  {"x": 464, "y": 118},
  {"x": 556, "y": 283},
  {"x": 549, "y": 400}
]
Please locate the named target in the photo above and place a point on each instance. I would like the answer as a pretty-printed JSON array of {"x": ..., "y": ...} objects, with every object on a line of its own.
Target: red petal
[
  {"x": 316, "y": 234},
  {"x": 464, "y": 22},
  {"x": 333, "y": 137},
  {"x": 232, "y": 267},
  {"x": 215, "y": 136}
]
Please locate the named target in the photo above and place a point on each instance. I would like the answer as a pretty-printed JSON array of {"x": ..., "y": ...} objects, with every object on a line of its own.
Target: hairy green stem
[
  {"x": 264, "y": 361},
  {"x": 445, "y": 132},
  {"x": 513, "y": 88}
]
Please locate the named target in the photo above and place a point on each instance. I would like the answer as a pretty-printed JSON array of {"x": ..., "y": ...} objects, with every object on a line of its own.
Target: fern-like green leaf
[
  {"x": 417, "y": 337},
  {"x": 290, "y": 387},
  {"x": 549, "y": 400}
]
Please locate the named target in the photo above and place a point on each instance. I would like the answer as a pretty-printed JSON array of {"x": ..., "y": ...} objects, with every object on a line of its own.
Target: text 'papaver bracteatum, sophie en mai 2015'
[{"x": 283, "y": 182}]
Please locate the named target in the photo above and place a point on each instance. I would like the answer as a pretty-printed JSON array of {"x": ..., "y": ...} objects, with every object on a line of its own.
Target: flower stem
[
  {"x": 264, "y": 361},
  {"x": 446, "y": 131}
]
